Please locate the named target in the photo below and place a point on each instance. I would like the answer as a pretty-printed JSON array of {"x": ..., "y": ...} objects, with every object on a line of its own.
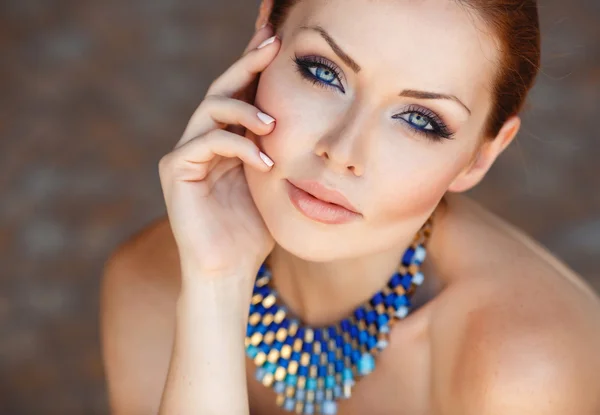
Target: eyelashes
[{"x": 321, "y": 72}]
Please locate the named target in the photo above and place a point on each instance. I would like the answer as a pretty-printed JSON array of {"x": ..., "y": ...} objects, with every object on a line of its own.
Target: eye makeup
[{"x": 323, "y": 73}]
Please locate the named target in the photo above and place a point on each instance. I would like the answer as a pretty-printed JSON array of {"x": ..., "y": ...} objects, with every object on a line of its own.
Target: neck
[{"x": 320, "y": 293}]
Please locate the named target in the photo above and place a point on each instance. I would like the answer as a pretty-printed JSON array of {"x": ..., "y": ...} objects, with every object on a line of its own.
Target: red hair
[{"x": 515, "y": 24}]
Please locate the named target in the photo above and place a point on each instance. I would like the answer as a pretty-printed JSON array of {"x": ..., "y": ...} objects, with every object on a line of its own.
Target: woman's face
[{"x": 353, "y": 89}]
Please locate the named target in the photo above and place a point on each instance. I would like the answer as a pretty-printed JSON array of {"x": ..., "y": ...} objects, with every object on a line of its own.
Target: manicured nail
[
  {"x": 267, "y": 119},
  {"x": 266, "y": 159},
  {"x": 267, "y": 42}
]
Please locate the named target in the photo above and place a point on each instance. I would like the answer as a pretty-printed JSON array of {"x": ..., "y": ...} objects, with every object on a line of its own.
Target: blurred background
[{"x": 93, "y": 93}]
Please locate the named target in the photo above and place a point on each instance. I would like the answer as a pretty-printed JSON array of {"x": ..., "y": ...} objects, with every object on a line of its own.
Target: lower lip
[{"x": 317, "y": 209}]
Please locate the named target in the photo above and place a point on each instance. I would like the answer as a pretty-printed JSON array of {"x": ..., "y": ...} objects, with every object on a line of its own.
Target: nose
[{"x": 344, "y": 149}]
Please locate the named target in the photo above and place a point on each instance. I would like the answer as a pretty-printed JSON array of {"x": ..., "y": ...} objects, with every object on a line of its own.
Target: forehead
[{"x": 430, "y": 44}]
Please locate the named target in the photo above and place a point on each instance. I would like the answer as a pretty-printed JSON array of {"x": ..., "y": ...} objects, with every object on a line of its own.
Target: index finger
[{"x": 241, "y": 74}]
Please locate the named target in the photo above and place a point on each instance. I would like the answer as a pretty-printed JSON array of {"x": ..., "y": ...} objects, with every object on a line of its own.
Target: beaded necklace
[{"x": 311, "y": 368}]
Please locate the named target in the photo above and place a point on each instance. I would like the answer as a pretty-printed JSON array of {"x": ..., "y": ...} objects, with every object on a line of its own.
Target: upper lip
[{"x": 323, "y": 193}]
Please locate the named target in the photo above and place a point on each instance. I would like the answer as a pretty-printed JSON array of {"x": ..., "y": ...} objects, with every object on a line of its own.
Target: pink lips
[{"x": 320, "y": 203}]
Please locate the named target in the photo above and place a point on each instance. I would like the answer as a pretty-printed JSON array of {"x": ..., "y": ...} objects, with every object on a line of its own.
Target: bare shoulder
[
  {"x": 139, "y": 290},
  {"x": 518, "y": 331}
]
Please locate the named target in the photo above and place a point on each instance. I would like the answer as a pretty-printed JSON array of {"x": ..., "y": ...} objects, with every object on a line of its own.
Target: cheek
[{"x": 412, "y": 184}]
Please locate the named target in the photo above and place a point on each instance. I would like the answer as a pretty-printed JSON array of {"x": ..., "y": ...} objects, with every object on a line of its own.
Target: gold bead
[
  {"x": 328, "y": 394},
  {"x": 286, "y": 351},
  {"x": 293, "y": 367},
  {"x": 380, "y": 308},
  {"x": 267, "y": 319},
  {"x": 269, "y": 301},
  {"x": 273, "y": 356},
  {"x": 281, "y": 334},
  {"x": 280, "y": 373},
  {"x": 254, "y": 319},
  {"x": 256, "y": 299},
  {"x": 301, "y": 382},
  {"x": 256, "y": 338},
  {"x": 323, "y": 359},
  {"x": 312, "y": 371},
  {"x": 297, "y": 345},
  {"x": 268, "y": 380},
  {"x": 290, "y": 391},
  {"x": 320, "y": 383},
  {"x": 246, "y": 341},
  {"x": 299, "y": 407},
  {"x": 310, "y": 396},
  {"x": 293, "y": 329},
  {"x": 280, "y": 400},
  {"x": 309, "y": 335},
  {"x": 269, "y": 337},
  {"x": 260, "y": 358},
  {"x": 279, "y": 316},
  {"x": 362, "y": 325},
  {"x": 317, "y": 348},
  {"x": 262, "y": 281},
  {"x": 304, "y": 359}
]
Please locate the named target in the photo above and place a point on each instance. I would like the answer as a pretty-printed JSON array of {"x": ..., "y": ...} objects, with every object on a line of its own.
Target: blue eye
[
  {"x": 426, "y": 122},
  {"x": 420, "y": 121},
  {"x": 319, "y": 71}
]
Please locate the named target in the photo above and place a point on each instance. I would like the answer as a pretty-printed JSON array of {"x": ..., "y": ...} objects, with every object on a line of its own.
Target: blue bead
[
  {"x": 347, "y": 349},
  {"x": 270, "y": 367},
  {"x": 407, "y": 281},
  {"x": 332, "y": 332},
  {"x": 295, "y": 356},
  {"x": 261, "y": 328},
  {"x": 359, "y": 313},
  {"x": 265, "y": 348},
  {"x": 289, "y": 341},
  {"x": 322, "y": 371},
  {"x": 371, "y": 317},
  {"x": 329, "y": 408},
  {"x": 303, "y": 371},
  {"x": 291, "y": 380},
  {"x": 300, "y": 333},
  {"x": 319, "y": 396},
  {"x": 345, "y": 325},
  {"x": 318, "y": 335},
  {"x": 347, "y": 375},
  {"x": 277, "y": 345},
  {"x": 362, "y": 337},
  {"x": 337, "y": 391},
  {"x": 395, "y": 280},
  {"x": 407, "y": 257},
  {"x": 314, "y": 359},
  {"x": 382, "y": 320},
  {"x": 300, "y": 395},
  {"x": 311, "y": 384},
  {"x": 339, "y": 366},
  {"x": 366, "y": 364},
  {"x": 260, "y": 374},
  {"x": 307, "y": 347},
  {"x": 339, "y": 341},
  {"x": 377, "y": 299},
  {"x": 285, "y": 323},
  {"x": 329, "y": 382},
  {"x": 283, "y": 362},
  {"x": 279, "y": 387},
  {"x": 251, "y": 351},
  {"x": 401, "y": 300},
  {"x": 289, "y": 404},
  {"x": 355, "y": 356},
  {"x": 354, "y": 332},
  {"x": 262, "y": 270},
  {"x": 309, "y": 408},
  {"x": 390, "y": 299},
  {"x": 371, "y": 342},
  {"x": 331, "y": 356}
]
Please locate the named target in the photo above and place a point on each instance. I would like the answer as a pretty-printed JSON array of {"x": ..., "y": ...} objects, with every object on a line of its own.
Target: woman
[{"x": 335, "y": 178}]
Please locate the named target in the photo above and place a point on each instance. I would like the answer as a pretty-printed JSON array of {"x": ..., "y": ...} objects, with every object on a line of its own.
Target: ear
[
  {"x": 264, "y": 12},
  {"x": 485, "y": 156}
]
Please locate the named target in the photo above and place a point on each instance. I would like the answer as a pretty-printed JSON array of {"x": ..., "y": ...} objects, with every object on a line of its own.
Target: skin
[{"x": 501, "y": 326}]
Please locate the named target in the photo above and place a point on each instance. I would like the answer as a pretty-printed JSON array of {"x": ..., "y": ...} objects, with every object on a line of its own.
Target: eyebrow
[{"x": 410, "y": 93}]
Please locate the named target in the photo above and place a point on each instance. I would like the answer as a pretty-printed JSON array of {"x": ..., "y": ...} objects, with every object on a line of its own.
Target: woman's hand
[{"x": 215, "y": 222}]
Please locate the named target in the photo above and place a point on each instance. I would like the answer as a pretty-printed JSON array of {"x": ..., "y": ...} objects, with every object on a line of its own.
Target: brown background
[{"x": 92, "y": 93}]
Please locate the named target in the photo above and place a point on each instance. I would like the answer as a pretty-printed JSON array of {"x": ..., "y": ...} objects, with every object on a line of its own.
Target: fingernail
[
  {"x": 267, "y": 119},
  {"x": 266, "y": 42},
  {"x": 266, "y": 159}
]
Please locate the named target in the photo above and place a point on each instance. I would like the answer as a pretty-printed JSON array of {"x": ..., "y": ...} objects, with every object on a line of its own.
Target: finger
[
  {"x": 241, "y": 74},
  {"x": 218, "y": 111},
  {"x": 259, "y": 36},
  {"x": 191, "y": 162}
]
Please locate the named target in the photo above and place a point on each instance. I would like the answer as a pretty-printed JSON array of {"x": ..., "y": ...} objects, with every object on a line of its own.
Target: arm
[{"x": 207, "y": 371}]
